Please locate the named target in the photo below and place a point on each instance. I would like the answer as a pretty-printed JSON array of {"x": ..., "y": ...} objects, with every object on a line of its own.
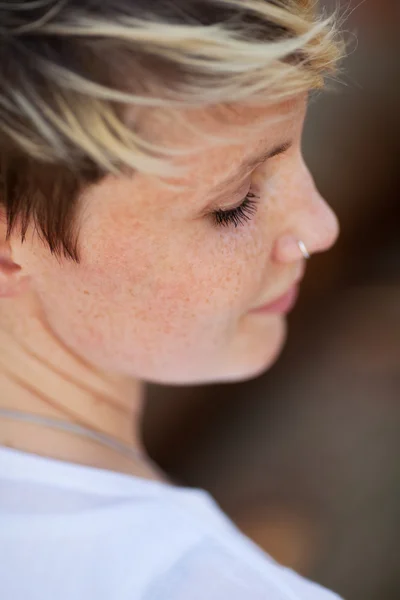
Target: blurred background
[{"x": 306, "y": 459}]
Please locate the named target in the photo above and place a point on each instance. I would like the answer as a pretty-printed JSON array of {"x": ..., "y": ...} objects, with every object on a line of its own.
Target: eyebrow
[{"x": 250, "y": 164}]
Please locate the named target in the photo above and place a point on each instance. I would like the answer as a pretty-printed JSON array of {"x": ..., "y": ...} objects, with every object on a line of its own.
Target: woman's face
[{"x": 167, "y": 283}]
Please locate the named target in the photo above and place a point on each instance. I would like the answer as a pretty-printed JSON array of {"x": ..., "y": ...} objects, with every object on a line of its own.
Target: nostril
[
  {"x": 287, "y": 249},
  {"x": 291, "y": 247}
]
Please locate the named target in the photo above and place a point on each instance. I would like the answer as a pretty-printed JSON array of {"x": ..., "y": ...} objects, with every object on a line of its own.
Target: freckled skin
[{"x": 163, "y": 294}]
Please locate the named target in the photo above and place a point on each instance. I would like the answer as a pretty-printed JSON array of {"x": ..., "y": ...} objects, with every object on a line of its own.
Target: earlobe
[{"x": 12, "y": 280}]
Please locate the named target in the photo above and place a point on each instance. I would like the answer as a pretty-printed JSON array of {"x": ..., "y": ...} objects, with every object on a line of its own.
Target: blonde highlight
[{"x": 64, "y": 92}]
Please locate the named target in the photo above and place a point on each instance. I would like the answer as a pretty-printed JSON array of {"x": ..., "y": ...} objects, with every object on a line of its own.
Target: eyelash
[{"x": 240, "y": 215}]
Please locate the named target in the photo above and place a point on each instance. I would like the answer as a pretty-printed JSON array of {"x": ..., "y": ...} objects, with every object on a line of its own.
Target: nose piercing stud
[{"x": 303, "y": 249}]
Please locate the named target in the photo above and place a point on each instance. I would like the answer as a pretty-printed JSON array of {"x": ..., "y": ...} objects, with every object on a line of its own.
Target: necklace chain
[{"x": 96, "y": 436}]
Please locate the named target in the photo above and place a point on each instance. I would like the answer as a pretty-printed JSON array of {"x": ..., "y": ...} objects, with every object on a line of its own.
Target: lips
[{"x": 285, "y": 303}]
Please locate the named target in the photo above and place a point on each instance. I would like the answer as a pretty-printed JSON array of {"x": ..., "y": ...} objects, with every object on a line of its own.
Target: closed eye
[{"x": 240, "y": 215}]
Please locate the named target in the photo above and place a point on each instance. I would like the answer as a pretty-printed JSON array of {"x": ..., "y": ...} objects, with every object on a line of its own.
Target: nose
[{"x": 309, "y": 220}]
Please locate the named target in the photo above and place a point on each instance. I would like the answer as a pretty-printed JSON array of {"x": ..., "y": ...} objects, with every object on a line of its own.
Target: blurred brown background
[{"x": 306, "y": 459}]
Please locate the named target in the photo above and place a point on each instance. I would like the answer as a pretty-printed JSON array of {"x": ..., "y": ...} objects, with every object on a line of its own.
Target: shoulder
[
  {"x": 188, "y": 549},
  {"x": 211, "y": 570}
]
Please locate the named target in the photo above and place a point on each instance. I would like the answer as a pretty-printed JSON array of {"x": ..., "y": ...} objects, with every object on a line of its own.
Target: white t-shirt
[{"x": 70, "y": 532}]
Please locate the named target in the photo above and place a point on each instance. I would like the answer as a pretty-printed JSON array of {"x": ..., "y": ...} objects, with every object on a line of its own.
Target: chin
[
  {"x": 256, "y": 348},
  {"x": 261, "y": 354}
]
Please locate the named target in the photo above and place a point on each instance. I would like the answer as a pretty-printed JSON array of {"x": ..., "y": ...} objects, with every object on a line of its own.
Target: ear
[{"x": 12, "y": 280}]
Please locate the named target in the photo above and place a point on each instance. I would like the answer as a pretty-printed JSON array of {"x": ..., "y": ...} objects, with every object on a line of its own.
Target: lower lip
[{"x": 283, "y": 305}]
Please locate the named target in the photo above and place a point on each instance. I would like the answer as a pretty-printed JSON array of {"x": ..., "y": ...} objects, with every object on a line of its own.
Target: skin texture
[{"x": 162, "y": 293}]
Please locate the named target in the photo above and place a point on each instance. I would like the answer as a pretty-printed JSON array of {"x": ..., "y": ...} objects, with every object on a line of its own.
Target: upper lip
[{"x": 286, "y": 291}]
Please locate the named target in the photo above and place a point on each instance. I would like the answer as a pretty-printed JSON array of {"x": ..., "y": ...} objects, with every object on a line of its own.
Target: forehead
[{"x": 213, "y": 142}]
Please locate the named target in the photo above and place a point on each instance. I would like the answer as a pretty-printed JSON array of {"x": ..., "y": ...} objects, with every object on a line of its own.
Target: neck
[{"x": 40, "y": 376}]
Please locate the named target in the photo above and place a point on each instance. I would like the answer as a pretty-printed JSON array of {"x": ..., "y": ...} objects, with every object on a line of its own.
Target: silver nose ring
[{"x": 303, "y": 249}]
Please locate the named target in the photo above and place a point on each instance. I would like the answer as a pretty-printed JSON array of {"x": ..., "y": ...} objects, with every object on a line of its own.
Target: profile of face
[{"x": 170, "y": 279}]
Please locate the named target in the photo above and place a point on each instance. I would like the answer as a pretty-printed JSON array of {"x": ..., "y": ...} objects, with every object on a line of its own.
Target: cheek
[
  {"x": 219, "y": 270},
  {"x": 152, "y": 265},
  {"x": 181, "y": 291},
  {"x": 143, "y": 294}
]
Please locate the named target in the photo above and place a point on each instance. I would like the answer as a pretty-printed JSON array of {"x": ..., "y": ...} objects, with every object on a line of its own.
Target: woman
[{"x": 156, "y": 215}]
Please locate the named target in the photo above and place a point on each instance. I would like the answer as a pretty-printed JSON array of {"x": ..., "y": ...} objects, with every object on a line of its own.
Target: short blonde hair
[{"x": 70, "y": 69}]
